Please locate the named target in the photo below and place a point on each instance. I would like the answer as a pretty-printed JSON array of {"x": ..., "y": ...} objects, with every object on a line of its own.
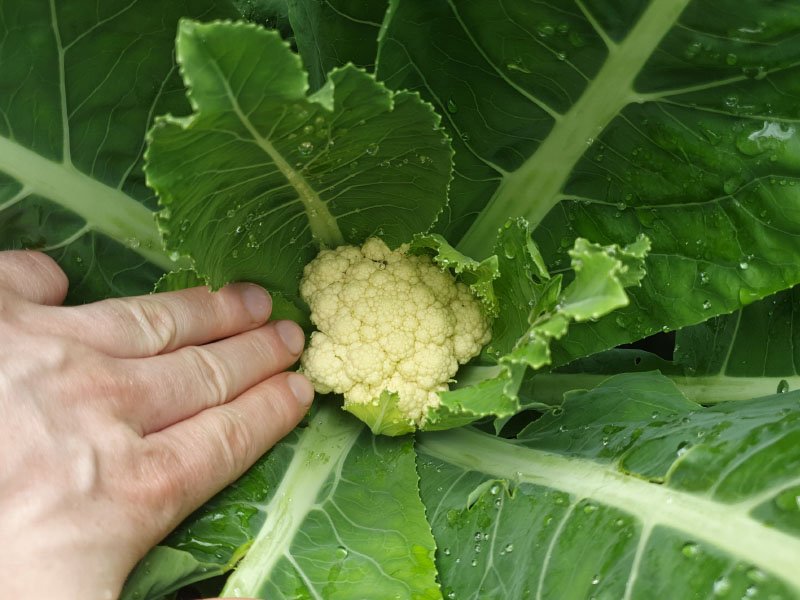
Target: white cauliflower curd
[{"x": 392, "y": 329}]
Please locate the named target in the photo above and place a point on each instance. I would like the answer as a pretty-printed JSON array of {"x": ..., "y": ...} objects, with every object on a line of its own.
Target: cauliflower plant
[{"x": 392, "y": 330}]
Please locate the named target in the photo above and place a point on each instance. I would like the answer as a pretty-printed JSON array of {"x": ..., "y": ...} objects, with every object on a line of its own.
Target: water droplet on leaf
[{"x": 690, "y": 550}]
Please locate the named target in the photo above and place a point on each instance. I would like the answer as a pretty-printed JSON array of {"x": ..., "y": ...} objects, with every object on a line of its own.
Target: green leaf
[
  {"x": 165, "y": 569},
  {"x": 533, "y": 312},
  {"x": 601, "y": 276},
  {"x": 333, "y": 33},
  {"x": 274, "y": 172},
  {"x": 71, "y": 137},
  {"x": 761, "y": 340},
  {"x": 603, "y": 120},
  {"x": 479, "y": 276},
  {"x": 331, "y": 512},
  {"x": 178, "y": 280},
  {"x": 631, "y": 491}
]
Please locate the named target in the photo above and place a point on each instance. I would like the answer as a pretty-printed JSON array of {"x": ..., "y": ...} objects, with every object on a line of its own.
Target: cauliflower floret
[{"x": 392, "y": 330}]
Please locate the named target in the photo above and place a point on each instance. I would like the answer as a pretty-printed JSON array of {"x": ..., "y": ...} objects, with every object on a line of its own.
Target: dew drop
[
  {"x": 595, "y": 579},
  {"x": 509, "y": 548},
  {"x": 731, "y": 59},
  {"x": 305, "y": 148},
  {"x": 371, "y": 149},
  {"x": 706, "y": 304},
  {"x": 721, "y": 586},
  {"x": 342, "y": 552},
  {"x": 452, "y": 108},
  {"x": 690, "y": 549},
  {"x": 783, "y": 387}
]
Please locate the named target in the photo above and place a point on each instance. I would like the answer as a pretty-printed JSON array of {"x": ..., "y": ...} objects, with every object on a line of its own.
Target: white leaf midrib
[
  {"x": 546, "y": 171},
  {"x": 329, "y": 435},
  {"x": 727, "y": 527},
  {"x": 105, "y": 209}
]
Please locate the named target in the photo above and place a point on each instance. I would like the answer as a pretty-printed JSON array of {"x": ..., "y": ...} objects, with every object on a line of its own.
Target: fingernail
[
  {"x": 292, "y": 336},
  {"x": 301, "y": 388},
  {"x": 257, "y": 302}
]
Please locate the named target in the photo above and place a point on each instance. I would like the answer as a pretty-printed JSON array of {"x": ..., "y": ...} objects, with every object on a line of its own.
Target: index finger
[{"x": 143, "y": 326}]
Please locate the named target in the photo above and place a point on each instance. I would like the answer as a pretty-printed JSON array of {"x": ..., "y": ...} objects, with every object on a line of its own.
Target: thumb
[{"x": 33, "y": 275}]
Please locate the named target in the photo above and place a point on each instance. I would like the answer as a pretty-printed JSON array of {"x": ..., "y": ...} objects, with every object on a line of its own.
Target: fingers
[
  {"x": 207, "y": 452},
  {"x": 34, "y": 276},
  {"x": 158, "y": 323},
  {"x": 176, "y": 386}
]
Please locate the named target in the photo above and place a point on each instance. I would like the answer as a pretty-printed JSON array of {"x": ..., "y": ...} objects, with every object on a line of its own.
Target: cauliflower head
[{"x": 392, "y": 329}]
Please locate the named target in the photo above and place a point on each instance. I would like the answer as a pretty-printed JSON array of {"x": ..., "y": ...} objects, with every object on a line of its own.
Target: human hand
[{"x": 115, "y": 422}]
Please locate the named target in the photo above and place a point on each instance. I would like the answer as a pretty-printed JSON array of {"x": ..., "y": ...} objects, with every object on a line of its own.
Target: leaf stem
[
  {"x": 323, "y": 445},
  {"x": 732, "y": 529},
  {"x": 105, "y": 209},
  {"x": 534, "y": 189},
  {"x": 549, "y": 388}
]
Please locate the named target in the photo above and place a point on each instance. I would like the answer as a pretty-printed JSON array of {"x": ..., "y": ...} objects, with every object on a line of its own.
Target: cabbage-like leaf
[
  {"x": 747, "y": 354},
  {"x": 602, "y": 120},
  {"x": 81, "y": 83},
  {"x": 262, "y": 175},
  {"x": 532, "y": 311},
  {"x": 631, "y": 491},
  {"x": 330, "y": 512}
]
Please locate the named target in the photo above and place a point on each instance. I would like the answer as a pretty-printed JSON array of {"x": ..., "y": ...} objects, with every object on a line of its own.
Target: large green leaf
[
  {"x": 81, "y": 83},
  {"x": 262, "y": 174},
  {"x": 750, "y": 353},
  {"x": 631, "y": 491},
  {"x": 602, "y": 120},
  {"x": 331, "y": 512}
]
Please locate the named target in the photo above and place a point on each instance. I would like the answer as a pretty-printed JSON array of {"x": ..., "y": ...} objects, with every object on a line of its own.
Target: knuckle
[
  {"x": 210, "y": 372},
  {"x": 236, "y": 442},
  {"x": 284, "y": 412},
  {"x": 153, "y": 482},
  {"x": 155, "y": 322},
  {"x": 49, "y": 271}
]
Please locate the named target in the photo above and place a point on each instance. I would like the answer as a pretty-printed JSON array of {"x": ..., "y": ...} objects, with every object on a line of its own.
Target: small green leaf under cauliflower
[{"x": 392, "y": 329}]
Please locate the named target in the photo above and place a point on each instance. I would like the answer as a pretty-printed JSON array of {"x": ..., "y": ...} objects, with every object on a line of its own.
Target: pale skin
[{"x": 118, "y": 418}]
